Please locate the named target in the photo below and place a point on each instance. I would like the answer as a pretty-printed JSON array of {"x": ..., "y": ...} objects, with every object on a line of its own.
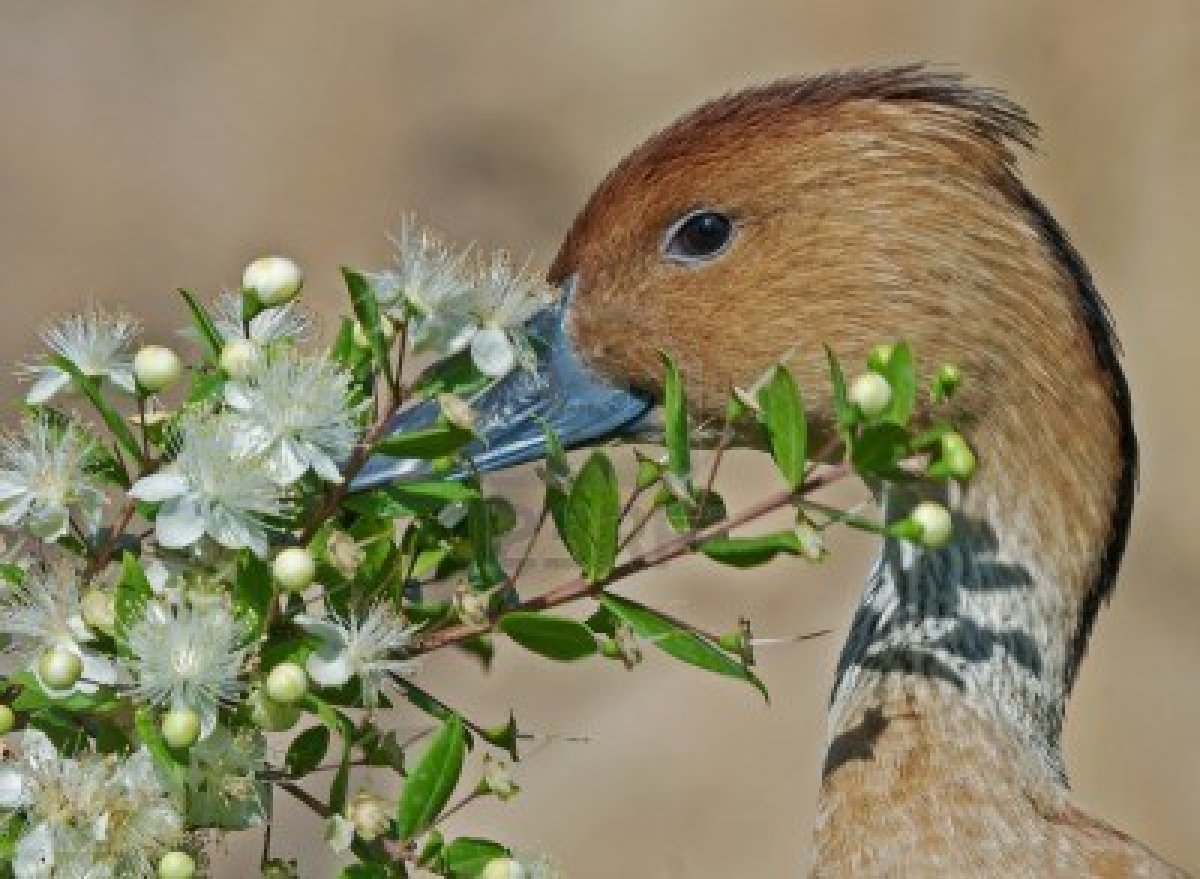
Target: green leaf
[
  {"x": 683, "y": 645},
  {"x": 679, "y": 447},
  {"x": 253, "y": 592},
  {"x": 344, "y": 727},
  {"x": 454, "y": 375},
  {"x": 901, "y": 373},
  {"x": 747, "y": 552},
  {"x": 844, "y": 413},
  {"x": 402, "y": 500},
  {"x": 504, "y": 737},
  {"x": 554, "y": 637},
  {"x": 145, "y": 725},
  {"x": 485, "y": 569},
  {"x": 366, "y": 309},
  {"x": 591, "y": 518},
  {"x": 205, "y": 326},
  {"x": 91, "y": 389},
  {"x": 307, "y": 750},
  {"x": 438, "y": 441},
  {"x": 787, "y": 430},
  {"x": 133, "y": 591},
  {"x": 432, "y": 780},
  {"x": 879, "y": 449},
  {"x": 466, "y": 857}
]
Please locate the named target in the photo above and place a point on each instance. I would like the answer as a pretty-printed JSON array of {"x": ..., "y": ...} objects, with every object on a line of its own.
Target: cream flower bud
[
  {"x": 871, "y": 393},
  {"x": 457, "y": 411},
  {"x": 287, "y": 683},
  {"x": 60, "y": 669},
  {"x": 239, "y": 358},
  {"x": 345, "y": 554},
  {"x": 370, "y": 814},
  {"x": 294, "y": 568},
  {"x": 7, "y": 720},
  {"x": 959, "y": 459},
  {"x": 503, "y": 868},
  {"x": 176, "y": 865},
  {"x": 934, "y": 521},
  {"x": 99, "y": 610},
  {"x": 270, "y": 715},
  {"x": 181, "y": 728},
  {"x": 274, "y": 280},
  {"x": 472, "y": 607},
  {"x": 497, "y": 779},
  {"x": 156, "y": 368}
]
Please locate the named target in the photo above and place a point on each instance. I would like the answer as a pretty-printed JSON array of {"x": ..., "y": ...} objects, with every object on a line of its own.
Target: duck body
[{"x": 867, "y": 206}]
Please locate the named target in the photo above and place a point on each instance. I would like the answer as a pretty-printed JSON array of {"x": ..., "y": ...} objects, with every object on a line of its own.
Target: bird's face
[{"x": 755, "y": 231}]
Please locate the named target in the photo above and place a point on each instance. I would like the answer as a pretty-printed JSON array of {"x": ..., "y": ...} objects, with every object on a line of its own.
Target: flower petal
[
  {"x": 159, "y": 487},
  {"x": 330, "y": 669},
  {"x": 180, "y": 522},
  {"x": 492, "y": 352},
  {"x": 34, "y": 855},
  {"x": 49, "y": 382}
]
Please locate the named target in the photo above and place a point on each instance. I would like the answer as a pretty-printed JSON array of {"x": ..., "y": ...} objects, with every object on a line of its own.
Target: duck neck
[{"x": 984, "y": 624}]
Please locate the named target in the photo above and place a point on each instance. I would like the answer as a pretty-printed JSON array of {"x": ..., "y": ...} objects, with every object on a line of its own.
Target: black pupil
[{"x": 703, "y": 234}]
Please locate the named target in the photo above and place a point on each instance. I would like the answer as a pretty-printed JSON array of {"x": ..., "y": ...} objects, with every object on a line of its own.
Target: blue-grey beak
[{"x": 512, "y": 415}]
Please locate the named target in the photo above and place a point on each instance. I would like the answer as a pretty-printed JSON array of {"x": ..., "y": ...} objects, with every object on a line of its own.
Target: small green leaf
[
  {"x": 679, "y": 447},
  {"x": 366, "y": 309},
  {"x": 746, "y": 552},
  {"x": 466, "y": 857},
  {"x": 307, "y": 750},
  {"x": 554, "y": 637},
  {"x": 683, "y": 645},
  {"x": 787, "y": 430},
  {"x": 133, "y": 591},
  {"x": 454, "y": 375},
  {"x": 901, "y": 373},
  {"x": 205, "y": 326},
  {"x": 146, "y": 727},
  {"x": 402, "y": 500},
  {"x": 438, "y": 441},
  {"x": 91, "y": 389},
  {"x": 432, "y": 780},
  {"x": 591, "y": 518},
  {"x": 504, "y": 736},
  {"x": 344, "y": 727},
  {"x": 485, "y": 569},
  {"x": 879, "y": 449},
  {"x": 253, "y": 592},
  {"x": 844, "y": 413}
]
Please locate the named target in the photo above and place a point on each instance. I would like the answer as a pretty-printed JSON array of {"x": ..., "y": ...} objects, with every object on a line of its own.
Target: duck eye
[{"x": 699, "y": 236}]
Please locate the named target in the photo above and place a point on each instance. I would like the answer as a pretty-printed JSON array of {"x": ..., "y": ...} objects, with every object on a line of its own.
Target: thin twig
[{"x": 580, "y": 587}]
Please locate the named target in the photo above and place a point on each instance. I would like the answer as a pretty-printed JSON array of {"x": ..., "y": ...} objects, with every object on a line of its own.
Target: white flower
[
  {"x": 369, "y": 647},
  {"x": 339, "y": 833},
  {"x": 90, "y": 817},
  {"x": 43, "y": 613},
  {"x": 184, "y": 656},
  {"x": 223, "y": 786},
  {"x": 42, "y": 476},
  {"x": 212, "y": 487},
  {"x": 505, "y": 298},
  {"x": 288, "y": 323},
  {"x": 295, "y": 411},
  {"x": 431, "y": 283},
  {"x": 97, "y": 343}
]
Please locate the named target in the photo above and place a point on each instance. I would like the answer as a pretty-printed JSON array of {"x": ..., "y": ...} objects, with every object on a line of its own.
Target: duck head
[{"x": 848, "y": 210}]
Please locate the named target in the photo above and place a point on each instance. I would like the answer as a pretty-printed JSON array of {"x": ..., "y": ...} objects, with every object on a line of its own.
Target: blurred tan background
[{"x": 146, "y": 146}]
